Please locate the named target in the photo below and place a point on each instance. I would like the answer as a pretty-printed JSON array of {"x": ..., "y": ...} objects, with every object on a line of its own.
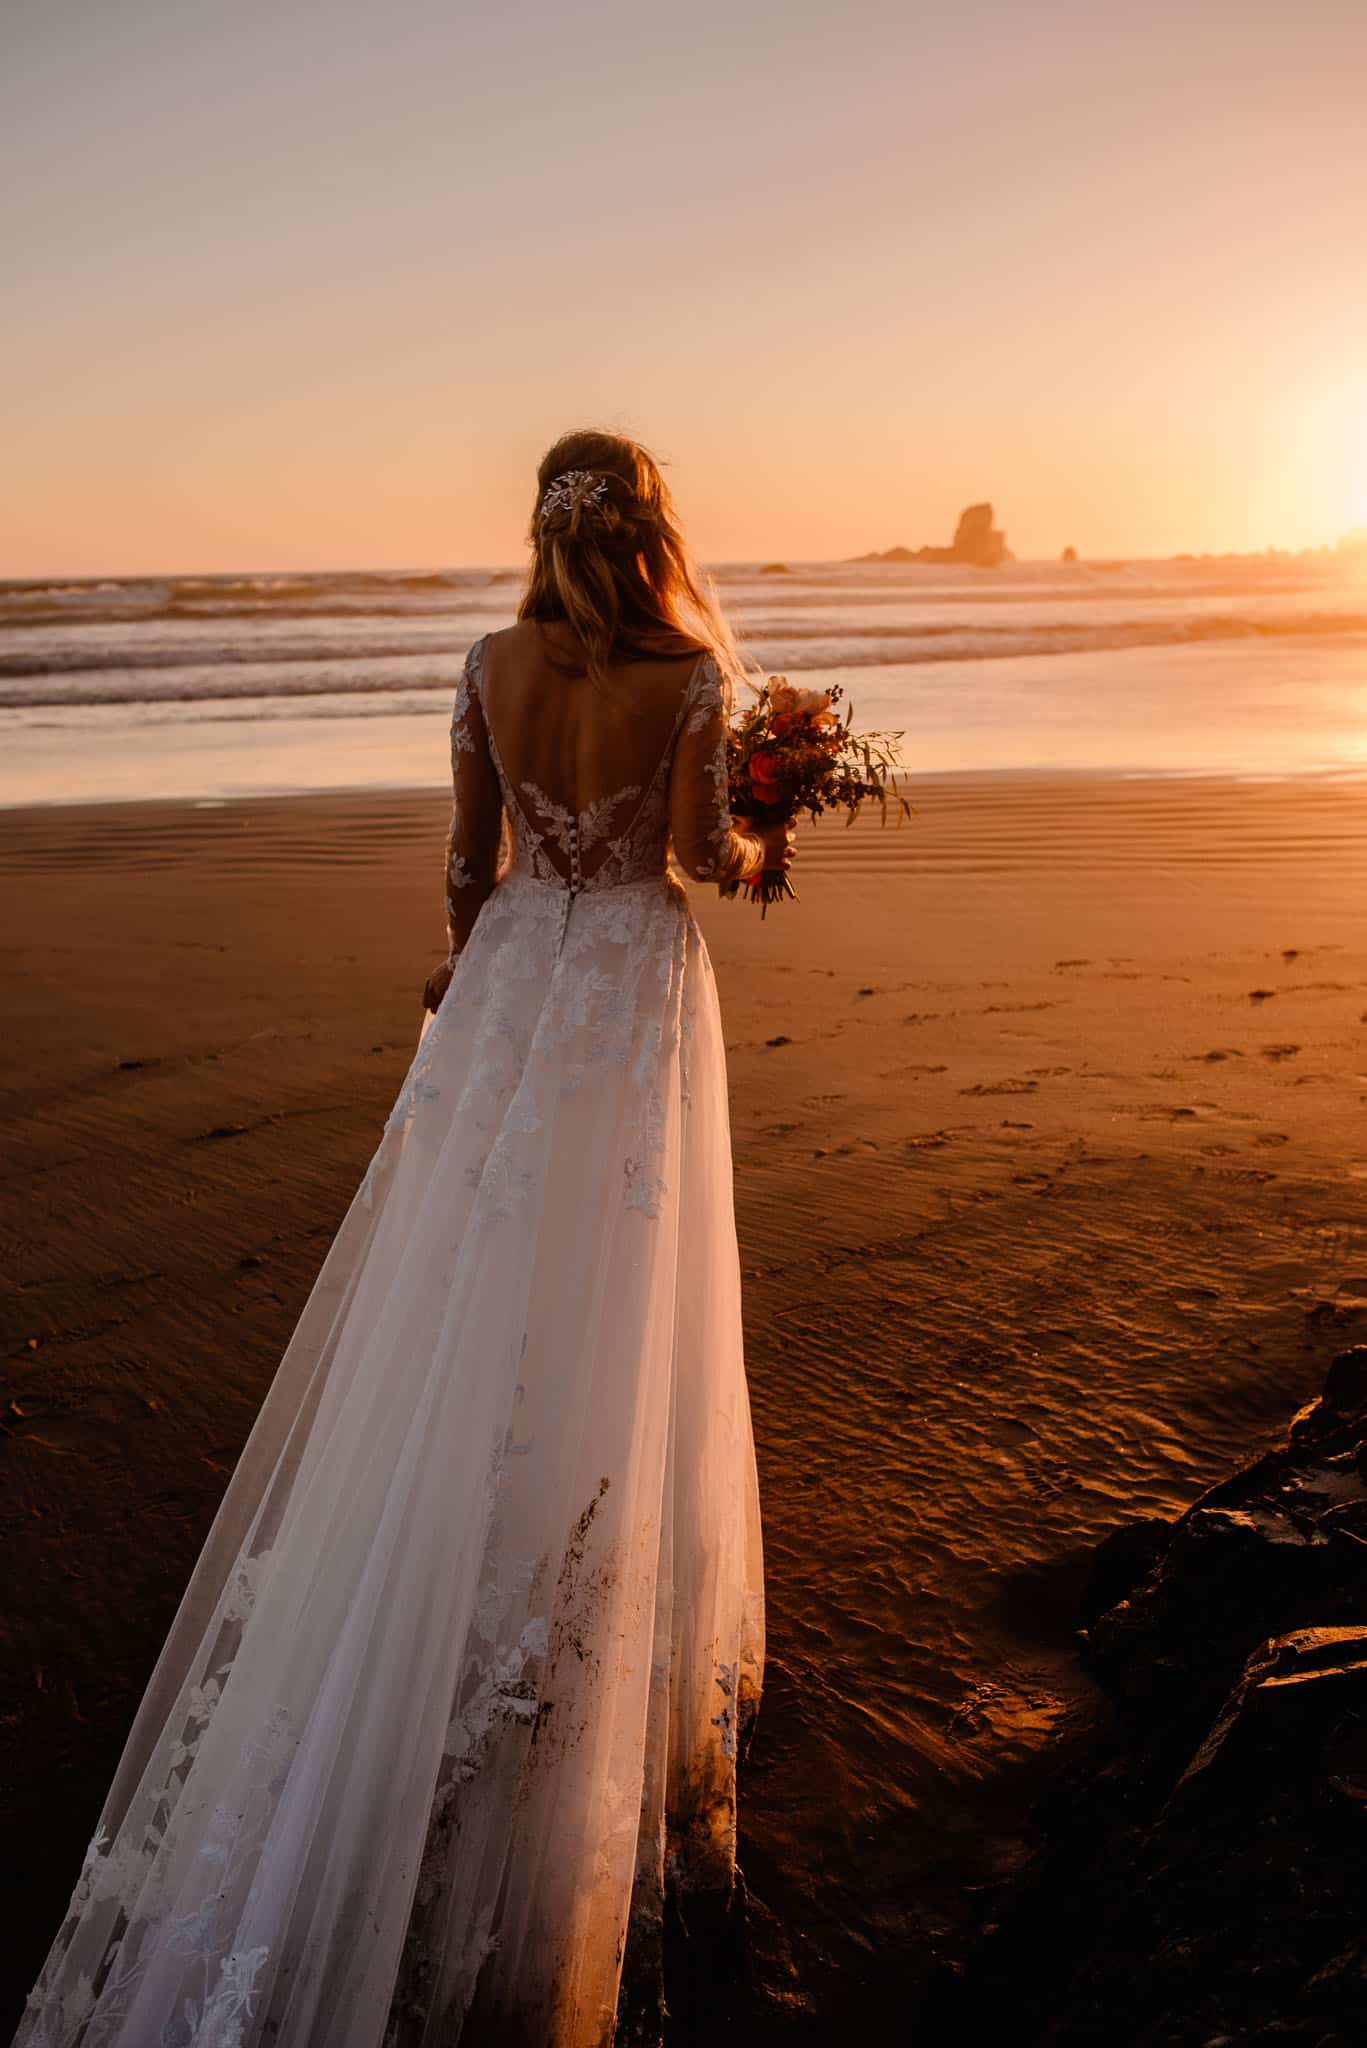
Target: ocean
[{"x": 212, "y": 687}]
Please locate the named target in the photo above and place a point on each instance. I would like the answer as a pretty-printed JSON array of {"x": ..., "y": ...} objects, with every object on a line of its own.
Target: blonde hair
[{"x": 610, "y": 561}]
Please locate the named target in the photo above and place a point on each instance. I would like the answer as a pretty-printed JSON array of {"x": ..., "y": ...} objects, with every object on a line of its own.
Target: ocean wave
[
  {"x": 185, "y": 671},
  {"x": 913, "y": 588},
  {"x": 200, "y": 657},
  {"x": 114, "y": 601}
]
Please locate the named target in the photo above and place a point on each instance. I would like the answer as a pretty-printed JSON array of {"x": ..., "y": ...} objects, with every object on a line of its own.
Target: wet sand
[{"x": 1050, "y": 1158}]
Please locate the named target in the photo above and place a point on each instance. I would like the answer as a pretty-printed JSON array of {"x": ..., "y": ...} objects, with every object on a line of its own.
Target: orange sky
[{"x": 312, "y": 285}]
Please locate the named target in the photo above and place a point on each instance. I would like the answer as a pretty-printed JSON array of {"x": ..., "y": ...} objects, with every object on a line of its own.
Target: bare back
[
  {"x": 584, "y": 765},
  {"x": 597, "y": 780}
]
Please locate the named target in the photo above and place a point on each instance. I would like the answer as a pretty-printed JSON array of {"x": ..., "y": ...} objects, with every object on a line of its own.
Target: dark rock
[
  {"x": 1068, "y": 555},
  {"x": 1282, "y": 1545},
  {"x": 1290, "y": 1691},
  {"x": 1193, "y": 1879},
  {"x": 1120, "y": 1562},
  {"x": 775, "y": 569},
  {"x": 977, "y": 542}
]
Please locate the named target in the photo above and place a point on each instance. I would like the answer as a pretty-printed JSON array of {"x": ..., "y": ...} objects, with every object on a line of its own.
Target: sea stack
[
  {"x": 977, "y": 540},
  {"x": 977, "y": 543}
]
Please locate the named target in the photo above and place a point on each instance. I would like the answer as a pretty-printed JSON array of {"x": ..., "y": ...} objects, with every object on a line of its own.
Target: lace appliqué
[
  {"x": 708, "y": 702},
  {"x": 577, "y": 833},
  {"x": 497, "y": 1694},
  {"x": 129, "y": 1870},
  {"x": 462, "y": 738},
  {"x": 638, "y": 849},
  {"x": 707, "y": 696}
]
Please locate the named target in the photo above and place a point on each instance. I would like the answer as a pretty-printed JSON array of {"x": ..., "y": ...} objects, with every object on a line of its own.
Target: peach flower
[{"x": 790, "y": 702}]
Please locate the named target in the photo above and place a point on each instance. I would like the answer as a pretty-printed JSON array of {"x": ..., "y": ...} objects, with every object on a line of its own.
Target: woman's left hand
[{"x": 438, "y": 981}]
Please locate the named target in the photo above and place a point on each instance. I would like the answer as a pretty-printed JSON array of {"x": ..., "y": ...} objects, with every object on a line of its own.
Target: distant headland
[
  {"x": 976, "y": 541},
  {"x": 979, "y": 544}
]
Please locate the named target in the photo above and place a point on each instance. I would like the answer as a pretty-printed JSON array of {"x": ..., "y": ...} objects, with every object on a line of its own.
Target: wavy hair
[{"x": 610, "y": 561}]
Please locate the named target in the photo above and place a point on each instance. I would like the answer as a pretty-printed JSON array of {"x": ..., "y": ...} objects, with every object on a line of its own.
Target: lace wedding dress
[{"x": 454, "y": 1695}]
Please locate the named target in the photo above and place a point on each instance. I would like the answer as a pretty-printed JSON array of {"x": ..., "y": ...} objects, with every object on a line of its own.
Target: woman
[{"x": 454, "y": 1695}]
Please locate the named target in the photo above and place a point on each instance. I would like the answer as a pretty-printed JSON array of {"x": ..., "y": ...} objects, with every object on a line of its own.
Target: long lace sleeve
[
  {"x": 472, "y": 839},
  {"x": 705, "y": 844}
]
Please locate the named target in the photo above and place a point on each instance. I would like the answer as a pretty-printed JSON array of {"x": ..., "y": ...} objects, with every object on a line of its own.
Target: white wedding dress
[{"x": 454, "y": 1694}]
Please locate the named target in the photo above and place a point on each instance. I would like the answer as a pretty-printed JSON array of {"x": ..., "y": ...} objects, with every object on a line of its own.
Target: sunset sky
[{"x": 311, "y": 285}]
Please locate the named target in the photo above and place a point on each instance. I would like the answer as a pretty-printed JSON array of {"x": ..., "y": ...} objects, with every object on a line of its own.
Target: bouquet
[{"x": 790, "y": 752}]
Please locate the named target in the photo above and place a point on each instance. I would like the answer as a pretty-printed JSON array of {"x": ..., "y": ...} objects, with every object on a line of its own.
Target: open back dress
[{"x": 453, "y": 1698}]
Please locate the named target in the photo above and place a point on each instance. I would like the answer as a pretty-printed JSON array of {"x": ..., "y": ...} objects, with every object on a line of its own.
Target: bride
[{"x": 450, "y": 1710}]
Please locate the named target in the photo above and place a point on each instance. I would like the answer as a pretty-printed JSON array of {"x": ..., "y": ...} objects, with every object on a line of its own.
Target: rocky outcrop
[
  {"x": 977, "y": 543},
  {"x": 1280, "y": 1547},
  {"x": 1195, "y": 1879}
]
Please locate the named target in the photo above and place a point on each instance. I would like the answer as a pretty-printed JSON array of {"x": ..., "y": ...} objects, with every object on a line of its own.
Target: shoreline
[
  {"x": 1246, "y": 709},
  {"x": 1049, "y": 1198},
  {"x": 1345, "y": 775}
]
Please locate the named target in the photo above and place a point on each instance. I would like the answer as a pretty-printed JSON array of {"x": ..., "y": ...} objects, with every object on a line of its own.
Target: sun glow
[{"x": 1328, "y": 452}]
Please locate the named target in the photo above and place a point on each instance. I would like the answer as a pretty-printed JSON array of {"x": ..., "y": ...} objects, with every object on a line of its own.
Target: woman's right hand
[{"x": 780, "y": 844}]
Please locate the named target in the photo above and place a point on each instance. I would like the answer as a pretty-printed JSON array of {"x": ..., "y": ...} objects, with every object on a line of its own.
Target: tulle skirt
[{"x": 453, "y": 1698}]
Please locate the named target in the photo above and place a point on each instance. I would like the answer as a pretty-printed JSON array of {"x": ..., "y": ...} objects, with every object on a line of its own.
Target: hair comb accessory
[{"x": 572, "y": 488}]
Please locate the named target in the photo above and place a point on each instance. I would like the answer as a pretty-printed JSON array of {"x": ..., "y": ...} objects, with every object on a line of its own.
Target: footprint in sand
[
  {"x": 1217, "y": 1151},
  {"x": 1272, "y": 1138},
  {"x": 1059, "y": 964},
  {"x": 1217, "y": 1052},
  {"x": 1280, "y": 1052},
  {"x": 1001, "y": 1088}
]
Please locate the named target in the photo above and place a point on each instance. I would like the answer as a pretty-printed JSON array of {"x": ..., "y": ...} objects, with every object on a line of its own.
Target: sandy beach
[{"x": 1050, "y": 1159}]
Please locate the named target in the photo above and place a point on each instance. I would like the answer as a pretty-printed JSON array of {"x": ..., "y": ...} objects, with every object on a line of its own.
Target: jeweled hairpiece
[{"x": 571, "y": 488}]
